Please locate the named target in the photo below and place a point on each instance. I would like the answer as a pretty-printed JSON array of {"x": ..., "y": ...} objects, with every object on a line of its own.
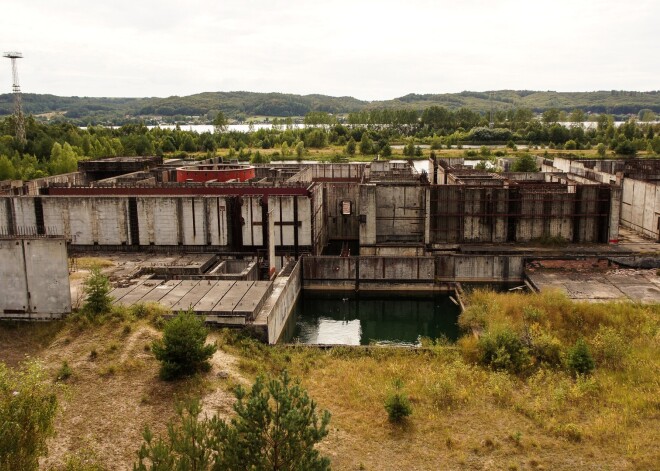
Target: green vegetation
[
  {"x": 97, "y": 288},
  {"x": 27, "y": 409},
  {"x": 579, "y": 358},
  {"x": 64, "y": 372},
  {"x": 182, "y": 350},
  {"x": 559, "y": 106},
  {"x": 57, "y": 147},
  {"x": 275, "y": 427},
  {"x": 525, "y": 163},
  {"x": 527, "y": 407},
  {"x": 397, "y": 404}
]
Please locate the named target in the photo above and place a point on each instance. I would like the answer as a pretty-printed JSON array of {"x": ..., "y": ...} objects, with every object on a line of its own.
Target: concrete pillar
[
  {"x": 367, "y": 213},
  {"x": 271, "y": 244},
  {"x": 427, "y": 214},
  {"x": 615, "y": 210}
]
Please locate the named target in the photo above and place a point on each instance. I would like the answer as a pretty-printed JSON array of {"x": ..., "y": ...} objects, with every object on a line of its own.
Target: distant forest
[{"x": 241, "y": 106}]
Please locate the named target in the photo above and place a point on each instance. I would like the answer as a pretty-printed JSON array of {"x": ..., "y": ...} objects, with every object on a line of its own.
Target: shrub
[
  {"x": 397, "y": 404},
  {"x": 610, "y": 347},
  {"x": 547, "y": 350},
  {"x": 276, "y": 427},
  {"x": 96, "y": 288},
  {"x": 182, "y": 350},
  {"x": 579, "y": 358},
  {"x": 625, "y": 147},
  {"x": 571, "y": 432},
  {"x": 64, "y": 372},
  {"x": 27, "y": 409},
  {"x": 449, "y": 385},
  {"x": 503, "y": 350},
  {"x": 525, "y": 163}
]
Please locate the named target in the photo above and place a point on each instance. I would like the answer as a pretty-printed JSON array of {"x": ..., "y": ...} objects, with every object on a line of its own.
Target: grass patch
[
  {"x": 87, "y": 263},
  {"x": 466, "y": 415}
]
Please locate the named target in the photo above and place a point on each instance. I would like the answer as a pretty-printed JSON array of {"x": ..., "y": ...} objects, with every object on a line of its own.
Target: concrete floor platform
[
  {"x": 124, "y": 266},
  {"x": 600, "y": 286},
  {"x": 222, "y": 301}
]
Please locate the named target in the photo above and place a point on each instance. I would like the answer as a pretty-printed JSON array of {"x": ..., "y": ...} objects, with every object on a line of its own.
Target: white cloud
[{"x": 367, "y": 49}]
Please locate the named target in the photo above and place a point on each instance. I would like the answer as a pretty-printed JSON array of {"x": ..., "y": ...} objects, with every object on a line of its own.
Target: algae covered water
[{"x": 361, "y": 319}]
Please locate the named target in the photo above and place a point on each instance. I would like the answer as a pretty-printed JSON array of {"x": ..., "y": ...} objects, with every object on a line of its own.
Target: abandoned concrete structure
[
  {"x": 35, "y": 278},
  {"x": 639, "y": 180},
  {"x": 368, "y": 226},
  {"x": 383, "y": 207}
]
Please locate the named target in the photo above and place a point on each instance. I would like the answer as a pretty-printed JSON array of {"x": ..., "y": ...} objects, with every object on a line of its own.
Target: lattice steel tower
[{"x": 16, "y": 88}]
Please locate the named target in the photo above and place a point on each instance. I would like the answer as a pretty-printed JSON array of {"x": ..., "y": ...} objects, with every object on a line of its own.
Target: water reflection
[{"x": 362, "y": 320}]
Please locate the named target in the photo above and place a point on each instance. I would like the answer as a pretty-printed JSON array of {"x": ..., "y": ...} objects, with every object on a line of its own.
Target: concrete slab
[
  {"x": 194, "y": 295},
  {"x": 138, "y": 293},
  {"x": 213, "y": 296},
  {"x": 159, "y": 292},
  {"x": 253, "y": 299},
  {"x": 178, "y": 292},
  {"x": 599, "y": 286},
  {"x": 121, "y": 291},
  {"x": 637, "y": 287},
  {"x": 230, "y": 300}
]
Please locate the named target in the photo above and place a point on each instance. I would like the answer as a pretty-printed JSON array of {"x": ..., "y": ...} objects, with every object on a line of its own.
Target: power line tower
[{"x": 16, "y": 88}]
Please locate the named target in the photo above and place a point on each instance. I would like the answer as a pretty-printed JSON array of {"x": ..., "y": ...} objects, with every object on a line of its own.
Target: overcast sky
[{"x": 367, "y": 49}]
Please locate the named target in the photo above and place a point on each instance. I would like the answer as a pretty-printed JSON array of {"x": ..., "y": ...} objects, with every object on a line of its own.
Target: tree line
[
  {"x": 240, "y": 106},
  {"x": 56, "y": 148}
]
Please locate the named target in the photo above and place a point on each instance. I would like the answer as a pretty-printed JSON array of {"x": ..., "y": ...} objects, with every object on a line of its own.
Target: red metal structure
[{"x": 218, "y": 173}]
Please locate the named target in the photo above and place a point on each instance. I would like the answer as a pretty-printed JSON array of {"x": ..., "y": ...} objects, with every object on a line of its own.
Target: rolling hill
[{"x": 241, "y": 105}]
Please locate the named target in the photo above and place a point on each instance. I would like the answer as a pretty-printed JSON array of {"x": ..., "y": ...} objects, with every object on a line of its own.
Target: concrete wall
[
  {"x": 368, "y": 273},
  {"x": 479, "y": 268},
  {"x": 291, "y": 214},
  {"x": 367, "y": 214},
  {"x": 392, "y": 273},
  {"x": 545, "y": 214},
  {"x": 335, "y": 272},
  {"x": 601, "y": 171},
  {"x": 289, "y": 287},
  {"x": 400, "y": 213},
  {"x": 169, "y": 220},
  {"x": 252, "y": 221},
  {"x": 640, "y": 207},
  {"x": 484, "y": 219},
  {"x": 105, "y": 220},
  {"x": 579, "y": 213},
  {"x": 35, "y": 279},
  {"x": 384, "y": 269},
  {"x": 319, "y": 218},
  {"x": 353, "y": 171},
  {"x": 340, "y": 226}
]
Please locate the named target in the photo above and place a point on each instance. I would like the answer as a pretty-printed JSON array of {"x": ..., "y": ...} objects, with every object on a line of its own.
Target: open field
[{"x": 465, "y": 416}]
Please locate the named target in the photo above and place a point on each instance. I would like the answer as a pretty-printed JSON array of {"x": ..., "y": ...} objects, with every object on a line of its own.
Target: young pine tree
[
  {"x": 183, "y": 351},
  {"x": 96, "y": 287},
  {"x": 276, "y": 427},
  {"x": 580, "y": 360}
]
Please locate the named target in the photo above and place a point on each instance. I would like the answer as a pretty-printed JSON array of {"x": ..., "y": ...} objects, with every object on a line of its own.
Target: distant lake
[{"x": 202, "y": 128}]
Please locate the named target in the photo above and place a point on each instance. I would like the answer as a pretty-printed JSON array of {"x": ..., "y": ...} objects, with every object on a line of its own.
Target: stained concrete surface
[
  {"x": 238, "y": 299},
  {"x": 600, "y": 286}
]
